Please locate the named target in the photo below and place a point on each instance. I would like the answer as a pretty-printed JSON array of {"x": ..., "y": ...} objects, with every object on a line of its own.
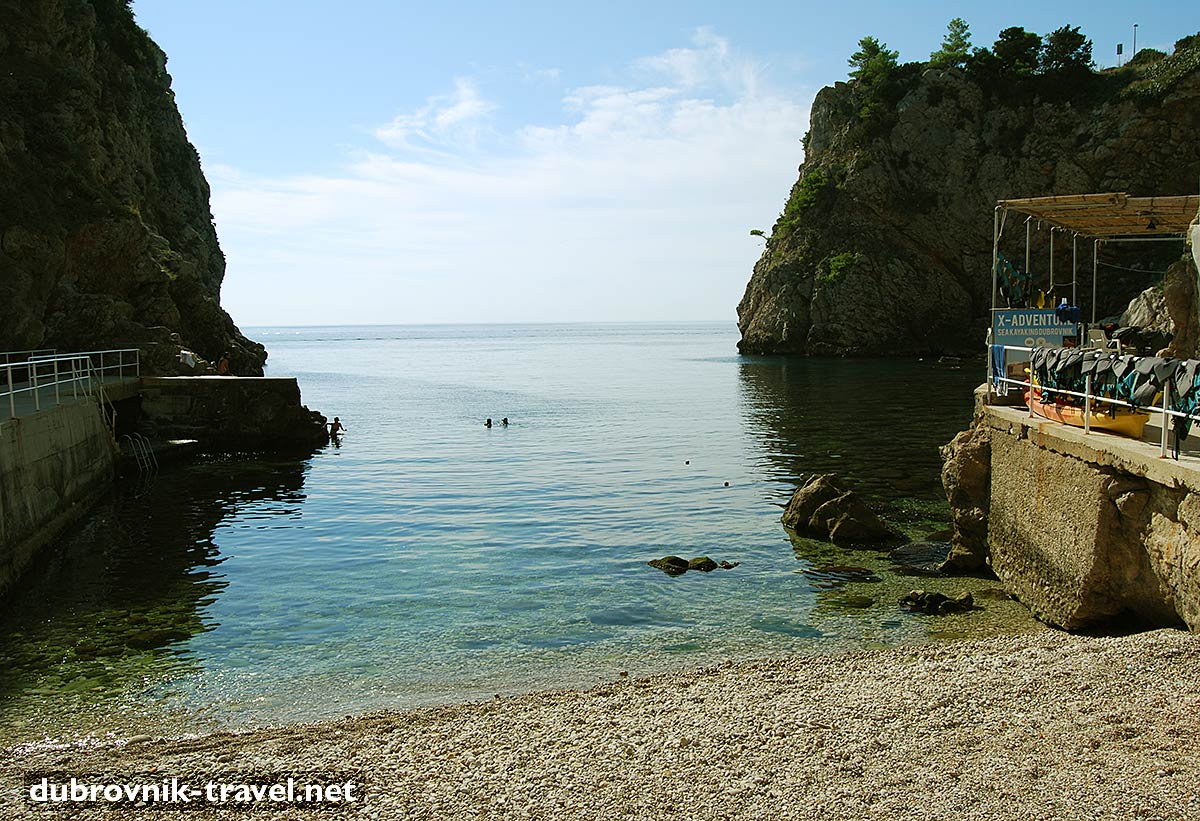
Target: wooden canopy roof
[{"x": 1112, "y": 215}]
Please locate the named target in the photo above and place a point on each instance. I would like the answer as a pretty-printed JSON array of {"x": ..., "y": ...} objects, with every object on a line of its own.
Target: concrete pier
[
  {"x": 53, "y": 466},
  {"x": 1083, "y": 529},
  {"x": 232, "y": 412},
  {"x": 58, "y": 455}
]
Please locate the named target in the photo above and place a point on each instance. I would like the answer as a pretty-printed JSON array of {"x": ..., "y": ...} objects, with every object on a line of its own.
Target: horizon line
[{"x": 498, "y": 324}]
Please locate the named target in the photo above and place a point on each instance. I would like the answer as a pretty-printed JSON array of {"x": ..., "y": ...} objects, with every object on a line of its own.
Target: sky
[{"x": 377, "y": 162}]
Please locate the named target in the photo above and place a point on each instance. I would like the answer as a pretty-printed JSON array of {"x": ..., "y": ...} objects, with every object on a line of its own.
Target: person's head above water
[{"x": 504, "y": 421}]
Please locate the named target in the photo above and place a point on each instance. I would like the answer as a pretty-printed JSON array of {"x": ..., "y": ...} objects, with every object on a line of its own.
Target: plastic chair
[{"x": 1096, "y": 338}]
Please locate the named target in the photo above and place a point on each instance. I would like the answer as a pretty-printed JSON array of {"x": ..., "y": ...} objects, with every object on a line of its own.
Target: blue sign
[{"x": 1030, "y": 327}]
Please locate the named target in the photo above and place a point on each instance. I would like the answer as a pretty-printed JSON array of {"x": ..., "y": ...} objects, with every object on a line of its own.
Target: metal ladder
[{"x": 143, "y": 454}]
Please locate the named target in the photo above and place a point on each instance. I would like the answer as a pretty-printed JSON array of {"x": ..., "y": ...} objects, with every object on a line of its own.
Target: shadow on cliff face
[
  {"x": 106, "y": 231},
  {"x": 110, "y": 605},
  {"x": 876, "y": 423}
]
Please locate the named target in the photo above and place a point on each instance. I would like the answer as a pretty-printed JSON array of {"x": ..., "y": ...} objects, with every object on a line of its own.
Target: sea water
[{"x": 427, "y": 558}]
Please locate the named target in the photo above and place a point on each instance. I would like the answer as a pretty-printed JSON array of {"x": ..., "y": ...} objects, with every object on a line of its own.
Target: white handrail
[
  {"x": 44, "y": 371},
  {"x": 1088, "y": 397}
]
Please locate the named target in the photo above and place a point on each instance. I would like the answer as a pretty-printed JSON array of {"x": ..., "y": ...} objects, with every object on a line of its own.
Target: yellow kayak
[{"x": 1126, "y": 423}]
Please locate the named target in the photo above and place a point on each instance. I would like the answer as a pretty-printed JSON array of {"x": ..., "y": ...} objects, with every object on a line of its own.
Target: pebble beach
[{"x": 1040, "y": 726}]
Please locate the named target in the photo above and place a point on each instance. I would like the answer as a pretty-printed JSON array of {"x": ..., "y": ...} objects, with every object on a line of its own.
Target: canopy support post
[
  {"x": 995, "y": 253},
  {"x": 1051, "y": 261},
  {"x": 1074, "y": 266},
  {"x": 1028, "y": 229},
  {"x": 1095, "y": 268}
]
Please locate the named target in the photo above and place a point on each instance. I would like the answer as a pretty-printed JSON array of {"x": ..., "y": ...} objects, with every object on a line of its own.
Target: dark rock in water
[
  {"x": 856, "y": 602},
  {"x": 936, "y": 604},
  {"x": 671, "y": 565},
  {"x": 944, "y": 535},
  {"x": 824, "y": 509},
  {"x": 788, "y": 627},
  {"x": 920, "y": 558},
  {"x": 675, "y": 566},
  {"x": 832, "y": 576},
  {"x": 155, "y": 637}
]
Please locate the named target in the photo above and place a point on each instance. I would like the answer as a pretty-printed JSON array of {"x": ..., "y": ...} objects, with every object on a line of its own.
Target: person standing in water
[{"x": 335, "y": 428}]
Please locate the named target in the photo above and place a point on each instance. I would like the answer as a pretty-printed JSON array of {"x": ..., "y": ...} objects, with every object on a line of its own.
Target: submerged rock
[
  {"x": 831, "y": 576},
  {"x": 675, "y": 566},
  {"x": 920, "y": 558},
  {"x": 936, "y": 604},
  {"x": 822, "y": 508},
  {"x": 671, "y": 565},
  {"x": 856, "y": 602}
]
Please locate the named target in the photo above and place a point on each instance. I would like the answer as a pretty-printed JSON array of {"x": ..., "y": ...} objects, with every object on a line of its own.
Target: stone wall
[
  {"x": 232, "y": 413},
  {"x": 53, "y": 466},
  {"x": 1082, "y": 529}
]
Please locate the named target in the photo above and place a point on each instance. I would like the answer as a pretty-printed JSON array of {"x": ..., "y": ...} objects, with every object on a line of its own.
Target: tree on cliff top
[
  {"x": 1066, "y": 51},
  {"x": 874, "y": 69},
  {"x": 1018, "y": 51},
  {"x": 956, "y": 46},
  {"x": 872, "y": 63}
]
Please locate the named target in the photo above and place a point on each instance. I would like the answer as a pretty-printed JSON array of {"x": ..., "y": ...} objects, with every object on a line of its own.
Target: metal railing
[
  {"x": 21, "y": 356},
  {"x": 82, "y": 373},
  {"x": 1088, "y": 396}
]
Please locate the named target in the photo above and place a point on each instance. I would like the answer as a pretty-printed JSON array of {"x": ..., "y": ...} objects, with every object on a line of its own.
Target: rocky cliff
[
  {"x": 106, "y": 237},
  {"x": 884, "y": 246}
]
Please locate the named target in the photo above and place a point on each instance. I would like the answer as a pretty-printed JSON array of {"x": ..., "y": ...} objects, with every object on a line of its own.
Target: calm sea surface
[{"x": 429, "y": 559}]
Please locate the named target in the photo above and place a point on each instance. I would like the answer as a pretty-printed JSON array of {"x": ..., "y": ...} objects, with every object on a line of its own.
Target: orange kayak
[{"x": 1116, "y": 420}]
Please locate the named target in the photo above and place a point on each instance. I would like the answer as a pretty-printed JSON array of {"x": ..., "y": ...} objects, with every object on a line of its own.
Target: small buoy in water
[
  {"x": 726, "y": 484},
  {"x": 687, "y": 461}
]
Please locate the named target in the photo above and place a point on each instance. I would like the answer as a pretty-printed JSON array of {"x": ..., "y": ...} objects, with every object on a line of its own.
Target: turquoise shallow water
[{"x": 430, "y": 559}]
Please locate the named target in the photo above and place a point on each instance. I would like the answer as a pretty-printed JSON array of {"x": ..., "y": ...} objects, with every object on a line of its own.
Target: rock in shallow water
[
  {"x": 824, "y": 509},
  {"x": 920, "y": 558},
  {"x": 671, "y": 565},
  {"x": 675, "y": 566},
  {"x": 936, "y": 604}
]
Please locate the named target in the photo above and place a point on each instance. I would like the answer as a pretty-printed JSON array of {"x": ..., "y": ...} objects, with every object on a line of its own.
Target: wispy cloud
[
  {"x": 637, "y": 205},
  {"x": 710, "y": 62},
  {"x": 452, "y": 119},
  {"x": 532, "y": 75}
]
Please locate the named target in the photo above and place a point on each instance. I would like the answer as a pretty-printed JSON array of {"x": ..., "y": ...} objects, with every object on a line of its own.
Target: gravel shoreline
[{"x": 1040, "y": 726}]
